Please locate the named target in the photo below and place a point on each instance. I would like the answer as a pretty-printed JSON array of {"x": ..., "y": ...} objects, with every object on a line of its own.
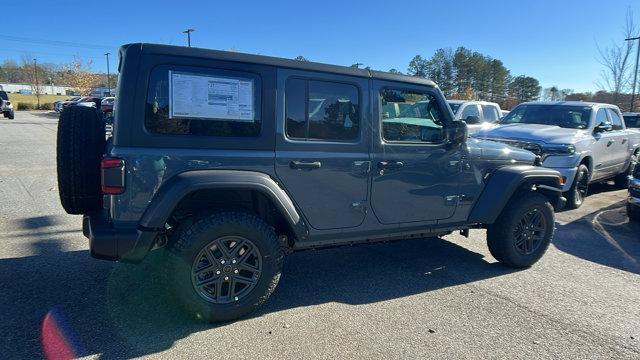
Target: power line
[{"x": 55, "y": 42}]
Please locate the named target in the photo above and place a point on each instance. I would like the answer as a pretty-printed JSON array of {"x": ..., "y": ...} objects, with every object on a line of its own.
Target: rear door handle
[
  {"x": 609, "y": 142},
  {"x": 624, "y": 141},
  {"x": 305, "y": 164},
  {"x": 390, "y": 164}
]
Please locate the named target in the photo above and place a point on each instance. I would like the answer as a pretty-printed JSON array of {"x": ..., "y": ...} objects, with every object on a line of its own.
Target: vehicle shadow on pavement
[
  {"x": 605, "y": 236},
  {"x": 118, "y": 310}
]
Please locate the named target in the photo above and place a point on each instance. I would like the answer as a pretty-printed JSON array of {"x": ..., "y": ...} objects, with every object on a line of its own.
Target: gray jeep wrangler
[{"x": 229, "y": 161}]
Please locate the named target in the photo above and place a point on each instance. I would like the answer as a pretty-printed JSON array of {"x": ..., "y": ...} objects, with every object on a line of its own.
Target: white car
[
  {"x": 477, "y": 114},
  {"x": 5, "y": 105}
]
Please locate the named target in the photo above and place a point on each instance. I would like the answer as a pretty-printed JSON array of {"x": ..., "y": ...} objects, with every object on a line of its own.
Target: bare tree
[{"x": 616, "y": 75}]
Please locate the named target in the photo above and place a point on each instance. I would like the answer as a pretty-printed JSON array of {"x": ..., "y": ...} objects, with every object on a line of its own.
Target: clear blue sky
[{"x": 554, "y": 41}]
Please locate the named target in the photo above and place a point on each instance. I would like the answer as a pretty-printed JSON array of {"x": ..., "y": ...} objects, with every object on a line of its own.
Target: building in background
[{"x": 44, "y": 89}]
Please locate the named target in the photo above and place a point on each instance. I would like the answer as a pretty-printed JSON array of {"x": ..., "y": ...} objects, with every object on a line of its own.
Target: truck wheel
[
  {"x": 523, "y": 231},
  {"x": 633, "y": 212},
  {"x": 225, "y": 265},
  {"x": 579, "y": 189}
]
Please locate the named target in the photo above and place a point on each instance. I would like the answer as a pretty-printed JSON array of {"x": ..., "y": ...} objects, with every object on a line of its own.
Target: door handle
[
  {"x": 609, "y": 142},
  {"x": 390, "y": 164},
  {"x": 624, "y": 141},
  {"x": 305, "y": 164}
]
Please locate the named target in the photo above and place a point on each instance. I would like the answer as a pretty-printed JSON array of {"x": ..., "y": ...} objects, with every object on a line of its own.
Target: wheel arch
[
  {"x": 508, "y": 181},
  {"x": 179, "y": 192}
]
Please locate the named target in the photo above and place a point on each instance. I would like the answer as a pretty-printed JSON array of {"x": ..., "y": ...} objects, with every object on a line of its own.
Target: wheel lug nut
[
  {"x": 235, "y": 271},
  {"x": 235, "y": 298},
  {"x": 233, "y": 261},
  {"x": 222, "y": 261},
  {"x": 218, "y": 272},
  {"x": 226, "y": 278}
]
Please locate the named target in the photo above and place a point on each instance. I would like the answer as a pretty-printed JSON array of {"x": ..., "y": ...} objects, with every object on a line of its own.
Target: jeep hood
[
  {"x": 484, "y": 150},
  {"x": 533, "y": 132}
]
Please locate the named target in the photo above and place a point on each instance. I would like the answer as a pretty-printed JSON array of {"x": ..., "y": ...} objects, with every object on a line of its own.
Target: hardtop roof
[{"x": 171, "y": 50}]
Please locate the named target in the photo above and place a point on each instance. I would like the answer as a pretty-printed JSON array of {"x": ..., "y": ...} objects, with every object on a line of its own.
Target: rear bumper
[{"x": 109, "y": 243}]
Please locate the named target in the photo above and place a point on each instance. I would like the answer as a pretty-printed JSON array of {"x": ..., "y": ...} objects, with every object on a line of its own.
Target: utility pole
[
  {"x": 188, "y": 32},
  {"x": 35, "y": 71},
  {"x": 635, "y": 72},
  {"x": 108, "y": 79}
]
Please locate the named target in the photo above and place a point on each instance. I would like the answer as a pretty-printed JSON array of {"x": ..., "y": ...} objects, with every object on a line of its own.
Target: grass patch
[{"x": 33, "y": 100}]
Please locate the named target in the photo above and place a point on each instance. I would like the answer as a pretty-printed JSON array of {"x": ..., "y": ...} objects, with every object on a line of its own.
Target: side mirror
[
  {"x": 604, "y": 126},
  {"x": 472, "y": 119},
  {"x": 458, "y": 132}
]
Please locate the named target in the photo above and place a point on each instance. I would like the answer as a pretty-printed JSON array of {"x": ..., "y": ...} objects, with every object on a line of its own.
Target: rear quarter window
[{"x": 204, "y": 102}]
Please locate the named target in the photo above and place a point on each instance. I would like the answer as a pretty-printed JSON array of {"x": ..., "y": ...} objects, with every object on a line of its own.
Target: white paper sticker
[{"x": 210, "y": 97}]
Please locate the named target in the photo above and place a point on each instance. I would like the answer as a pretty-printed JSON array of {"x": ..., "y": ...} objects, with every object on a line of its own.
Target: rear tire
[
  {"x": 81, "y": 145},
  {"x": 579, "y": 189},
  {"x": 203, "y": 261},
  {"x": 523, "y": 232},
  {"x": 622, "y": 180}
]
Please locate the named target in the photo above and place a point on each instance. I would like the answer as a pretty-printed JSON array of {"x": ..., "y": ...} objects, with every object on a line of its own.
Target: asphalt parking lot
[{"x": 430, "y": 298}]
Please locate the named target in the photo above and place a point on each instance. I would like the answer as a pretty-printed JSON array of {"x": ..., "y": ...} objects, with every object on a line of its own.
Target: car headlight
[{"x": 558, "y": 149}]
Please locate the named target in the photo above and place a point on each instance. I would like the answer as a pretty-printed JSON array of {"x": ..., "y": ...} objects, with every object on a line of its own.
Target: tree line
[
  {"x": 471, "y": 75},
  {"x": 76, "y": 74}
]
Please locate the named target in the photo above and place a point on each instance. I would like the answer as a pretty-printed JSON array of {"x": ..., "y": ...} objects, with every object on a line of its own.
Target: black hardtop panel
[{"x": 171, "y": 50}]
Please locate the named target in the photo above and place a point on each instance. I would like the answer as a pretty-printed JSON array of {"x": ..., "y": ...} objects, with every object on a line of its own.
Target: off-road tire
[
  {"x": 633, "y": 212},
  {"x": 191, "y": 239},
  {"x": 501, "y": 235},
  {"x": 80, "y": 147},
  {"x": 574, "y": 199},
  {"x": 9, "y": 114}
]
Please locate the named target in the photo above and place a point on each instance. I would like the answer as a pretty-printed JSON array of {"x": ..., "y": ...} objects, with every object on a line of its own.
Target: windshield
[
  {"x": 632, "y": 121},
  {"x": 454, "y": 106},
  {"x": 566, "y": 116}
]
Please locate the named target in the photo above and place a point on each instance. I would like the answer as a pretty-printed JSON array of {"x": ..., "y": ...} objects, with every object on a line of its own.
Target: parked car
[
  {"x": 633, "y": 201},
  {"x": 632, "y": 120},
  {"x": 5, "y": 105},
  {"x": 234, "y": 167},
  {"x": 57, "y": 105},
  {"x": 503, "y": 113},
  {"x": 87, "y": 101},
  {"x": 585, "y": 142},
  {"x": 477, "y": 114},
  {"x": 107, "y": 104}
]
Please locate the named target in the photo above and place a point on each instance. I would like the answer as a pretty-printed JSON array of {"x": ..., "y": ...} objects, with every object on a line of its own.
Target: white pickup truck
[{"x": 586, "y": 142}]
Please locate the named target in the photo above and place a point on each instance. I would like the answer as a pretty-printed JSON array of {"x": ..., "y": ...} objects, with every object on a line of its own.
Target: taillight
[{"x": 112, "y": 176}]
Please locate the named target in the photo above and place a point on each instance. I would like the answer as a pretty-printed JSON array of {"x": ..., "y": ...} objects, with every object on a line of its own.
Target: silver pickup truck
[{"x": 585, "y": 142}]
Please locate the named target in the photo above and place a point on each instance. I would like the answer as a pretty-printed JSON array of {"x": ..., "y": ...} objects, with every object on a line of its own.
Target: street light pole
[
  {"x": 188, "y": 32},
  {"x": 108, "y": 79},
  {"x": 635, "y": 72},
  {"x": 35, "y": 71}
]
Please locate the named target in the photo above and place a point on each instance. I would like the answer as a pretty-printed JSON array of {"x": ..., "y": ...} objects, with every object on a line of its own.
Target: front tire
[
  {"x": 224, "y": 266},
  {"x": 523, "y": 232},
  {"x": 579, "y": 189}
]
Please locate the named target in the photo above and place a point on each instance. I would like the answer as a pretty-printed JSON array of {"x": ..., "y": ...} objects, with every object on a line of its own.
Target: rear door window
[
  {"x": 322, "y": 110},
  {"x": 490, "y": 113},
  {"x": 616, "y": 120},
  {"x": 203, "y": 101}
]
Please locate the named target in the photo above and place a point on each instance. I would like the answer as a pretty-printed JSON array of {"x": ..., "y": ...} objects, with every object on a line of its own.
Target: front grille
[{"x": 526, "y": 145}]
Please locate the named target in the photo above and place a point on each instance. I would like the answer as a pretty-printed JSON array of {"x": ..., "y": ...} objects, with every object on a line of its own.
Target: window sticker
[{"x": 210, "y": 97}]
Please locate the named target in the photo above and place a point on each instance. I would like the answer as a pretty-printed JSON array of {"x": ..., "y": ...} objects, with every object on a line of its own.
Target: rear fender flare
[{"x": 176, "y": 188}]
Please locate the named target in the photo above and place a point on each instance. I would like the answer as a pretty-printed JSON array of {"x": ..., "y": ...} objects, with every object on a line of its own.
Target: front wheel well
[{"x": 202, "y": 203}]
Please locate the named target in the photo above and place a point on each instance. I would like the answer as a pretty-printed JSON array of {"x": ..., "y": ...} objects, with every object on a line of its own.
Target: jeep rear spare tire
[{"x": 80, "y": 147}]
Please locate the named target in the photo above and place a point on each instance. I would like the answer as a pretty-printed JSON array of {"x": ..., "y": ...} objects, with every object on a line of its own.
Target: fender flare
[
  {"x": 504, "y": 182},
  {"x": 176, "y": 188}
]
